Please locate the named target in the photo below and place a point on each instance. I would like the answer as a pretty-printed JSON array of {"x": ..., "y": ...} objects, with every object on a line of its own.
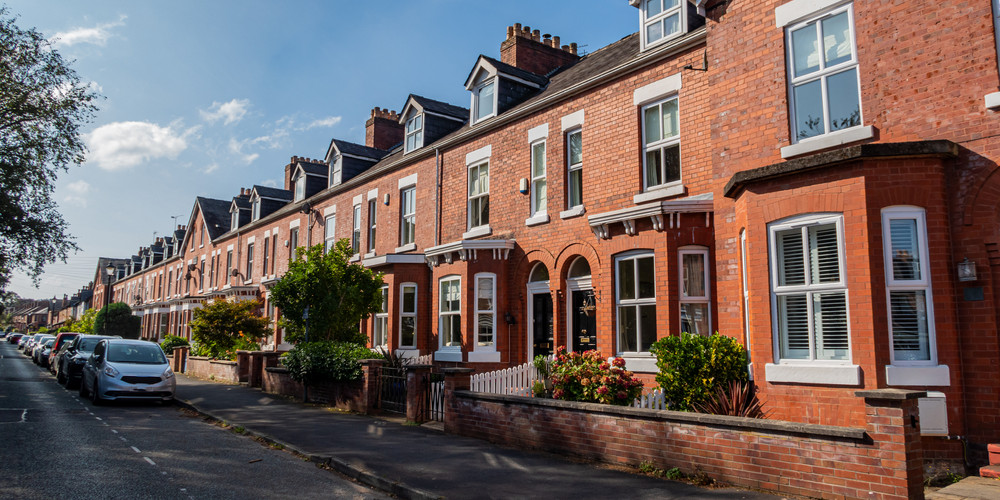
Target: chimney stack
[
  {"x": 531, "y": 51},
  {"x": 383, "y": 130},
  {"x": 289, "y": 170}
]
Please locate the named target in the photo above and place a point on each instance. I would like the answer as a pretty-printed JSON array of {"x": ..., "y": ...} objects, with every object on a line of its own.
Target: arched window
[
  {"x": 579, "y": 269},
  {"x": 539, "y": 273}
]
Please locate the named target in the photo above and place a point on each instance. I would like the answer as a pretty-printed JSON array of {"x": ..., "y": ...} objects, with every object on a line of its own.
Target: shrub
[
  {"x": 692, "y": 367},
  {"x": 220, "y": 328},
  {"x": 323, "y": 361},
  {"x": 172, "y": 341},
  {"x": 737, "y": 399},
  {"x": 117, "y": 319},
  {"x": 589, "y": 378}
]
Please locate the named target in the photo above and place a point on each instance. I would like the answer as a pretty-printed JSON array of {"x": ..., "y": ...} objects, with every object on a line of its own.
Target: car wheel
[
  {"x": 83, "y": 388},
  {"x": 95, "y": 394},
  {"x": 61, "y": 378}
]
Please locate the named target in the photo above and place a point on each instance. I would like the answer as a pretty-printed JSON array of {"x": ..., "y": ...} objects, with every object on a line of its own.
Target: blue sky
[{"x": 203, "y": 97}]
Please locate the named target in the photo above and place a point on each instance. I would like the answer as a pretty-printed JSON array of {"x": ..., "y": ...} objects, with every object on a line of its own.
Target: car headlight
[
  {"x": 110, "y": 371},
  {"x": 167, "y": 374}
]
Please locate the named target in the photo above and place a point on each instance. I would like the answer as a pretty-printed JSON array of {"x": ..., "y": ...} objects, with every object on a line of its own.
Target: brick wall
[{"x": 206, "y": 368}]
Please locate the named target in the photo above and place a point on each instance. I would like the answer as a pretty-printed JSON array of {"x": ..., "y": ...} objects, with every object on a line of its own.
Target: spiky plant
[{"x": 738, "y": 399}]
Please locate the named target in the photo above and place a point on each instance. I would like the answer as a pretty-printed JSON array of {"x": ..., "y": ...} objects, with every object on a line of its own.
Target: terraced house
[{"x": 814, "y": 177}]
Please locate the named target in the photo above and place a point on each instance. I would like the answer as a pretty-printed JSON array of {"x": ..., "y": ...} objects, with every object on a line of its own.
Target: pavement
[
  {"x": 421, "y": 462},
  {"x": 970, "y": 488}
]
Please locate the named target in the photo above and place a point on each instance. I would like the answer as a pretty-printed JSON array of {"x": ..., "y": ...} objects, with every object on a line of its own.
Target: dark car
[
  {"x": 41, "y": 355},
  {"x": 61, "y": 340},
  {"x": 70, "y": 364},
  {"x": 14, "y": 338}
]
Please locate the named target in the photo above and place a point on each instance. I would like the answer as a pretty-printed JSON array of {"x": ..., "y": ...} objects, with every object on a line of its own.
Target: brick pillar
[
  {"x": 180, "y": 358},
  {"x": 455, "y": 379},
  {"x": 892, "y": 422},
  {"x": 256, "y": 368},
  {"x": 271, "y": 359},
  {"x": 370, "y": 388},
  {"x": 416, "y": 392},
  {"x": 243, "y": 366}
]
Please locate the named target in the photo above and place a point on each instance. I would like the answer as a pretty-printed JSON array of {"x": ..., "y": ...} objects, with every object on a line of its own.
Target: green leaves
[
  {"x": 692, "y": 367},
  {"x": 117, "y": 319},
  {"x": 220, "y": 327},
  {"x": 325, "y": 361}
]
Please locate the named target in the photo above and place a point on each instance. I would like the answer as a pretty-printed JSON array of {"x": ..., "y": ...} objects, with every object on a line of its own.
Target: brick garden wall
[{"x": 222, "y": 371}]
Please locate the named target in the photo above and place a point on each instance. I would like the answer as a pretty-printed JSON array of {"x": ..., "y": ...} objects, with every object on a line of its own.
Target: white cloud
[
  {"x": 97, "y": 35},
  {"x": 324, "y": 122},
  {"x": 230, "y": 112},
  {"x": 211, "y": 168},
  {"x": 236, "y": 147},
  {"x": 270, "y": 183},
  {"x": 122, "y": 145},
  {"x": 78, "y": 190}
]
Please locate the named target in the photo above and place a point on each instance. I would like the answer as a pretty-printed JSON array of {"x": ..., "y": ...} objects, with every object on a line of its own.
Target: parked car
[
  {"x": 43, "y": 351},
  {"x": 61, "y": 340},
  {"x": 14, "y": 338},
  {"x": 27, "y": 339},
  {"x": 127, "y": 369},
  {"x": 37, "y": 347},
  {"x": 69, "y": 365}
]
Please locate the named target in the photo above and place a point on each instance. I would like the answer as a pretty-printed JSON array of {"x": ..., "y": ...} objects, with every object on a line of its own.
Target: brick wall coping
[
  {"x": 457, "y": 370},
  {"x": 276, "y": 369},
  {"x": 740, "y": 180},
  {"x": 747, "y": 424},
  {"x": 222, "y": 362},
  {"x": 891, "y": 394}
]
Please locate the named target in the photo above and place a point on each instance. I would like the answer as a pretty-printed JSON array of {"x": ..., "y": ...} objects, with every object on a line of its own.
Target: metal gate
[
  {"x": 434, "y": 389},
  {"x": 392, "y": 390}
]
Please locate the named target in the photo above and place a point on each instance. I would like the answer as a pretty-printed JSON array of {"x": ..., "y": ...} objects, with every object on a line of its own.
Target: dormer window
[
  {"x": 661, "y": 20},
  {"x": 414, "y": 132},
  {"x": 300, "y": 187},
  {"x": 255, "y": 208},
  {"x": 235, "y": 219},
  {"x": 484, "y": 99},
  {"x": 336, "y": 170}
]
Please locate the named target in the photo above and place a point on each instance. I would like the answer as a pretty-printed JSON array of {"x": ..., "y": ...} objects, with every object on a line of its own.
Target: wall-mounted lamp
[
  {"x": 385, "y": 199},
  {"x": 967, "y": 270},
  {"x": 524, "y": 186}
]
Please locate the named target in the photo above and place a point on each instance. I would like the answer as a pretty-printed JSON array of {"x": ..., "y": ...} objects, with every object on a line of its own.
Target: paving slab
[
  {"x": 972, "y": 487},
  {"x": 418, "y": 462}
]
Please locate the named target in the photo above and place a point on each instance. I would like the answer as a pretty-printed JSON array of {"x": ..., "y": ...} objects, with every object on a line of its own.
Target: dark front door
[
  {"x": 541, "y": 324},
  {"x": 584, "y": 324}
]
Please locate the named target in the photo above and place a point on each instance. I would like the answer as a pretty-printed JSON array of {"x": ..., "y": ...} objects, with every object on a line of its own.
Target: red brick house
[{"x": 815, "y": 178}]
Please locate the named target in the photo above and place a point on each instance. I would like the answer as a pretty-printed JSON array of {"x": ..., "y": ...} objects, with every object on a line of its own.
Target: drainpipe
[{"x": 437, "y": 196}]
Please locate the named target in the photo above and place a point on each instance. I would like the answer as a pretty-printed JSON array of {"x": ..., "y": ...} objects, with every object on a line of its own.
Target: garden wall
[
  {"x": 359, "y": 395},
  {"x": 213, "y": 369},
  {"x": 882, "y": 460}
]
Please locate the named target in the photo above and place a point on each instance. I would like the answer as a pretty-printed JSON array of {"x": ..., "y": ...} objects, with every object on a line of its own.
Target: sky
[{"x": 203, "y": 97}]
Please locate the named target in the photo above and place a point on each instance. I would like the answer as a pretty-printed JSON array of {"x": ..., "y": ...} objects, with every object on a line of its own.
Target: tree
[
  {"x": 86, "y": 322},
  {"x": 117, "y": 319},
  {"x": 339, "y": 295},
  {"x": 43, "y": 103},
  {"x": 220, "y": 328}
]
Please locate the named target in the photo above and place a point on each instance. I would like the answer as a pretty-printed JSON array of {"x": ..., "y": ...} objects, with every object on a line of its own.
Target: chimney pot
[
  {"x": 517, "y": 27},
  {"x": 555, "y": 42},
  {"x": 572, "y": 48},
  {"x": 510, "y": 32},
  {"x": 535, "y": 34}
]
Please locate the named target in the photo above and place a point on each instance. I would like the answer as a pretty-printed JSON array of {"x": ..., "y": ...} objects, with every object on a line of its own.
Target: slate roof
[
  {"x": 216, "y": 215},
  {"x": 242, "y": 202},
  {"x": 350, "y": 148},
  {"x": 507, "y": 69},
  {"x": 270, "y": 192},
  {"x": 440, "y": 107},
  {"x": 320, "y": 169}
]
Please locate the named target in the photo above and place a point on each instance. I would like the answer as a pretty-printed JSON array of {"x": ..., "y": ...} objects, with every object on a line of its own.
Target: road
[{"x": 55, "y": 445}]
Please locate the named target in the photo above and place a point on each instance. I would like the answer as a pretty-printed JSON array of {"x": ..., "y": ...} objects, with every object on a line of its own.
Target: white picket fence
[
  {"x": 652, "y": 400},
  {"x": 514, "y": 381},
  {"x": 426, "y": 359}
]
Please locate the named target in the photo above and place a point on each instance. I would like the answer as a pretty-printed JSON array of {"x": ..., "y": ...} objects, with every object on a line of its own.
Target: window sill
[
  {"x": 573, "y": 212},
  {"x": 407, "y": 352},
  {"x": 448, "y": 355},
  {"x": 825, "y": 141},
  {"x": 537, "y": 219},
  {"x": 248, "y": 282},
  {"x": 993, "y": 100},
  {"x": 917, "y": 375},
  {"x": 369, "y": 255},
  {"x": 354, "y": 258},
  {"x": 406, "y": 248},
  {"x": 672, "y": 189},
  {"x": 639, "y": 362},
  {"x": 484, "y": 357},
  {"x": 477, "y": 232},
  {"x": 813, "y": 374}
]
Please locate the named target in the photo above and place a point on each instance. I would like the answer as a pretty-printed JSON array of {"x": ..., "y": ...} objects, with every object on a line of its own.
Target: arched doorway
[
  {"x": 540, "y": 336},
  {"x": 581, "y": 310}
]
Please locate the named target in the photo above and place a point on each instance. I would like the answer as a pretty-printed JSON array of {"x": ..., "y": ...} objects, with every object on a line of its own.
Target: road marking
[
  {"x": 151, "y": 462},
  {"x": 123, "y": 439},
  {"x": 24, "y": 416},
  {"x": 99, "y": 418},
  {"x": 116, "y": 432},
  {"x": 135, "y": 449}
]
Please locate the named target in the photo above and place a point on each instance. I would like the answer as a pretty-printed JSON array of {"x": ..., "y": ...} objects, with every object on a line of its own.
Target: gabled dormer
[
  {"x": 426, "y": 120},
  {"x": 308, "y": 178},
  {"x": 663, "y": 20},
  {"x": 179, "y": 238},
  {"x": 347, "y": 159},
  {"x": 168, "y": 247},
  {"x": 497, "y": 87},
  {"x": 239, "y": 210},
  {"x": 266, "y": 200}
]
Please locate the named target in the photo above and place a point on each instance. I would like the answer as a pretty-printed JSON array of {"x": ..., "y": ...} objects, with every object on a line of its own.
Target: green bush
[
  {"x": 692, "y": 367},
  {"x": 326, "y": 361},
  {"x": 172, "y": 341},
  {"x": 590, "y": 378},
  {"x": 117, "y": 319}
]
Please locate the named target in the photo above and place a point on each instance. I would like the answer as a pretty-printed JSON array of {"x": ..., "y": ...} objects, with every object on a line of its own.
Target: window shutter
[
  {"x": 793, "y": 313},
  {"x": 905, "y": 253},
  {"x": 791, "y": 269},
  {"x": 909, "y": 325},
  {"x": 823, "y": 254},
  {"x": 830, "y": 316}
]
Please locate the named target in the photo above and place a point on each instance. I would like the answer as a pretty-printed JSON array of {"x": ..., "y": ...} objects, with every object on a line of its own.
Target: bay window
[
  {"x": 908, "y": 290},
  {"x": 635, "y": 302},
  {"x": 408, "y": 316},
  {"x": 450, "y": 312},
  {"x": 695, "y": 302}
]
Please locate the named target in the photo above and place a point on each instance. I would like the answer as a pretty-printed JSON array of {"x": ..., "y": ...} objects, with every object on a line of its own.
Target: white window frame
[
  {"x": 922, "y": 284},
  {"x": 300, "y": 187},
  {"x": 407, "y": 219},
  {"x": 822, "y": 74},
  {"x": 234, "y": 221},
  {"x": 443, "y": 315},
  {"x": 491, "y": 344},
  {"x": 631, "y": 258},
  {"x": 255, "y": 208},
  {"x": 706, "y": 297},
  {"x": 483, "y": 195},
  {"x": 476, "y": 98},
  {"x": 249, "y": 272},
  {"x": 661, "y": 145},
  {"x": 329, "y": 232},
  {"x": 356, "y": 230},
  {"x": 538, "y": 182},
  {"x": 644, "y": 21},
  {"x": 414, "y": 131},
  {"x": 372, "y": 223},
  {"x": 403, "y": 313},
  {"x": 336, "y": 170},
  {"x": 380, "y": 322},
  {"x": 803, "y": 223},
  {"x": 573, "y": 167},
  {"x": 746, "y": 298}
]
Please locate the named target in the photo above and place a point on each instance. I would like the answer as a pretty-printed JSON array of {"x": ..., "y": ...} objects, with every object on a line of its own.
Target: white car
[{"x": 124, "y": 369}]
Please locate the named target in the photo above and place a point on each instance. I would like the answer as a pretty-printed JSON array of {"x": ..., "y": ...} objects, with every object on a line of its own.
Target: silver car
[{"x": 121, "y": 369}]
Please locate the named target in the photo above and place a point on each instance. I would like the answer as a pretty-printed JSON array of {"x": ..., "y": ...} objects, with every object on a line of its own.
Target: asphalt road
[{"x": 55, "y": 445}]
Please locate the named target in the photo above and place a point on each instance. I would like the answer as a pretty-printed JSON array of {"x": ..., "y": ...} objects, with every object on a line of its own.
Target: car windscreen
[
  {"x": 48, "y": 343},
  {"x": 136, "y": 353},
  {"x": 87, "y": 345}
]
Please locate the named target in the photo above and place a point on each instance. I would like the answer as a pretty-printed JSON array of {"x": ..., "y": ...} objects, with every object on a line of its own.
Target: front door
[
  {"x": 583, "y": 318},
  {"x": 541, "y": 324}
]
